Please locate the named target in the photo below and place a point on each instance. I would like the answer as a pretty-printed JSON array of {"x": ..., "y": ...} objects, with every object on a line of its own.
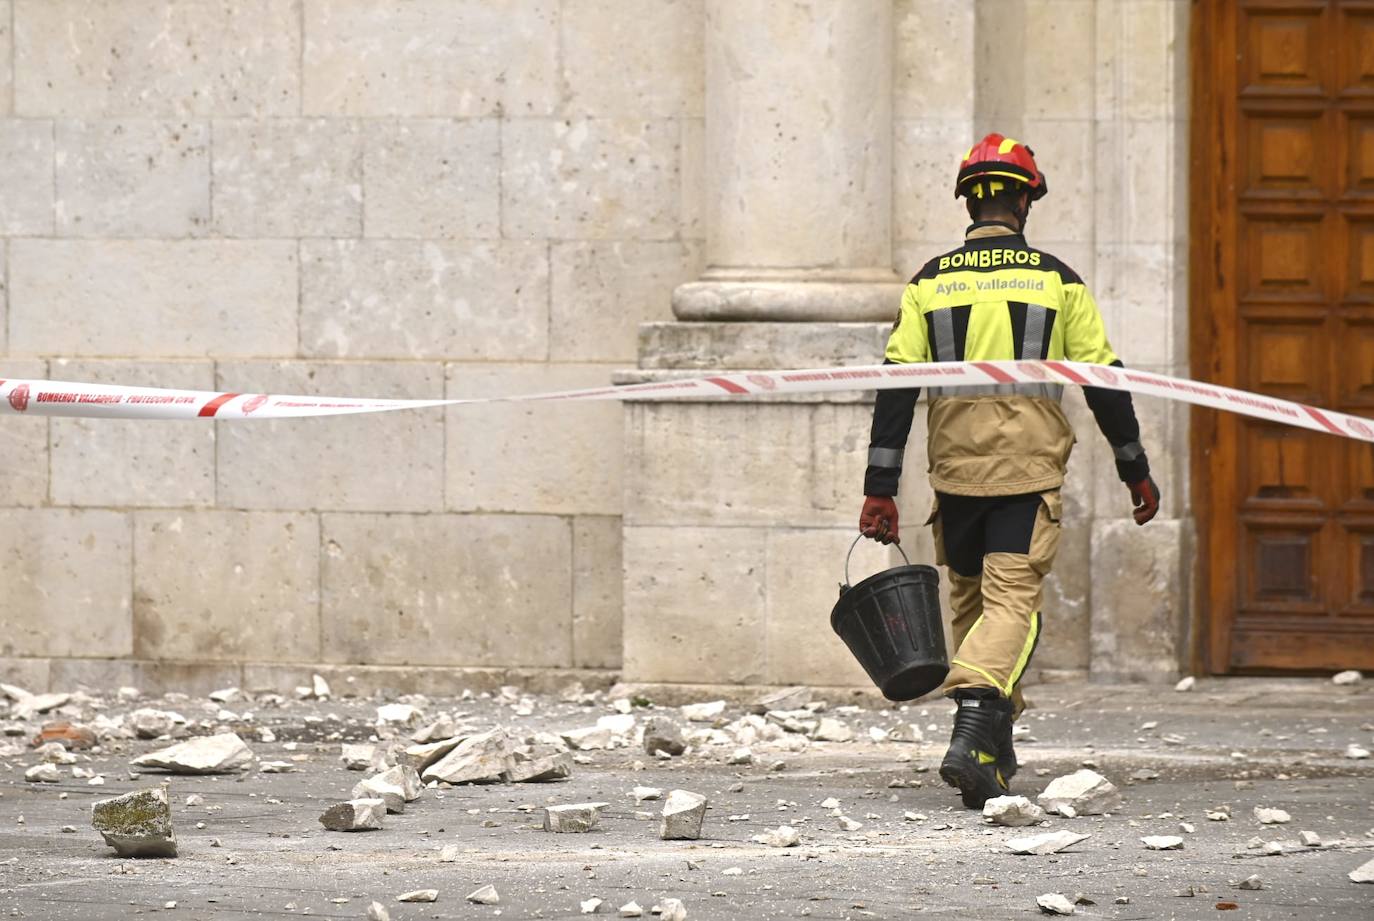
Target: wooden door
[{"x": 1283, "y": 303}]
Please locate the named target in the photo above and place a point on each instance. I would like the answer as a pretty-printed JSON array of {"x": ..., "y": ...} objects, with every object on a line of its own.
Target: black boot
[
  {"x": 979, "y": 746},
  {"x": 1006, "y": 755}
]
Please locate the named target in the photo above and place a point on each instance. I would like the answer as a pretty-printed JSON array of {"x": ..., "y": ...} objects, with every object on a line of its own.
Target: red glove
[
  {"x": 878, "y": 520},
  {"x": 1145, "y": 497}
]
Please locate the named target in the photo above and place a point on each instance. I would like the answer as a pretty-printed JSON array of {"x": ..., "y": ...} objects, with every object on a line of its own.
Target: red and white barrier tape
[{"x": 101, "y": 401}]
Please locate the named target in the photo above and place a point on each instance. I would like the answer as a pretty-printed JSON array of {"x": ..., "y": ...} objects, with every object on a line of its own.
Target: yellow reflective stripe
[
  {"x": 973, "y": 668},
  {"x": 1026, "y": 651},
  {"x": 1006, "y": 145}
]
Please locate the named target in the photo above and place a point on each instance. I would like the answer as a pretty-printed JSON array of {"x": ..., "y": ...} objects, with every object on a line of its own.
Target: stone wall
[
  {"x": 407, "y": 198},
  {"x": 418, "y": 198}
]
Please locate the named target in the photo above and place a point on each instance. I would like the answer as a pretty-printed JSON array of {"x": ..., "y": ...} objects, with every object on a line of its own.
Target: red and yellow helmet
[{"x": 998, "y": 159}]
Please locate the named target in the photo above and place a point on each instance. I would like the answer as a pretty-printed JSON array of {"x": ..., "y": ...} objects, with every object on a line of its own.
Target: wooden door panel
[{"x": 1283, "y": 285}]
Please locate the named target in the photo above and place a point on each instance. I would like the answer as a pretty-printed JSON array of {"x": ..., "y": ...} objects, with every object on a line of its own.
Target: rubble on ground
[
  {"x": 355, "y": 815},
  {"x": 782, "y": 836},
  {"x": 1162, "y": 842},
  {"x": 670, "y": 910},
  {"x": 1085, "y": 792},
  {"x": 682, "y": 816},
  {"x": 1053, "y": 903},
  {"x": 1051, "y": 842},
  {"x": 663, "y": 735},
  {"x": 486, "y": 895},
  {"x": 419, "y": 895},
  {"x": 137, "y": 824},
  {"x": 573, "y": 818},
  {"x": 477, "y": 759},
  {"x": 1013, "y": 811},
  {"x": 1346, "y": 678},
  {"x": 794, "y": 698},
  {"x": 1267, "y": 816},
  {"x": 1364, "y": 873},
  {"x": 225, "y": 753},
  {"x": 703, "y": 713}
]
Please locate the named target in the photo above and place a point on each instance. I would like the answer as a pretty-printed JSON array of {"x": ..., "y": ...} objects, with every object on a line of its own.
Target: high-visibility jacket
[{"x": 997, "y": 298}]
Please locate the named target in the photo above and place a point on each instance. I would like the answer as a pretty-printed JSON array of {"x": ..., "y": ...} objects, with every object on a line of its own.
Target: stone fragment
[
  {"x": 741, "y": 755},
  {"x": 848, "y": 824},
  {"x": 71, "y": 735},
  {"x": 1048, "y": 843},
  {"x": 591, "y": 906},
  {"x": 703, "y": 713},
  {"x": 671, "y": 910},
  {"x": 477, "y": 759},
  {"x": 1251, "y": 883},
  {"x": 486, "y": 895},
  {"x": 591, "y": 738},
  {"x": 683, "y": 814},
  {"x": 226, "y": 695},
  {"x": 377, "y": 912},
  {"x": 1356, "y": 752},
  {"x": 782, "y": 836},
  {"x": 641, "y": 794},
  {"x": 148, "y": 723},
  {"x": 830, "y": 729},
  {"x": 1267, "y": 816},
  {"x": 1364, "y": 873},
  {"x": 1347, "y": 677},
  {"x": 524, "y": 769},
  {"x": 355, "y": 815},
  {"x": 436, "y": 731},
  {"x": 137, "y": 824},
  {"x": 1185, "y": 684},
  {"x": 421, "y": 756},
  {"x": 31, "y": 705},
  {"x": 1162, "y": 842},
  {"x": 43, "y": 773},
  {"x": 1052, "y": 903},
  {"x": 573, "y": 818},
  {"x": 384, "y": 789},
  {"x": 449, "y": 853},
  {"x": 784, "y": 699},
  {"x": 1012, "y": 811},
  {"x": 663, "y": 735},
  {"x": 1310, "y": 838},
  {"x": 219, "y": 754},
  {"x": 357, "y": 757},
  {"x": 618, "y": 723},
  {"x": 399, "y": 716},
  {"x": 1272, "y": 848},
  {"x": 419, "y": 895},
  {"x": 631, "y": 910},
  {"x": 1086, "y": 792},
  {"x": 319, "y": 687}
]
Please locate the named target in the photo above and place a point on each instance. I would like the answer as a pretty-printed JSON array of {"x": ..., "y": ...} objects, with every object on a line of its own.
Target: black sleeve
[
  {"x": 1115, "y": 415},
  {"x": 893, "y": 411}
]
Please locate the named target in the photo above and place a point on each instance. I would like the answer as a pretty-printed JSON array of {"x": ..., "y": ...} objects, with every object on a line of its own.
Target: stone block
[
  {"x": 133, "y": 178},
  {"x": 6, "y": 57},
  {"x": 483, "y": 301},
  {"x": 109, "y": 462},
  {"x": 94, "y": 675},
  {"x": 66, "y": 576},
  {"x": 457, "y": 58},
  {"x": 153, "y": 298},
  {"x": 692, "y": 154},
  {"x": 447, "y": 590},
  {"x": 1142, "y": 59},
  {"x": 603, "y": 291},
  {"x": 288, "y": 178},
  {"x": 137, "y": 824},
  {"x": 590, "y": 178},
  {"x": 1139, "y": 168},
  {"x": 432, "y": 178},
  {"x": 761, "y": 346},
  {"x": 222, "y": 586},
  {"x": 597, "y": 592},
  {"x": 1064, "y": 149},
  {"x": 1059, "y": 82},
  {"x": 930, "y": 83},
  {"x": 31, "y": 674},
  {"x": 1140, "y": 591},
  {"x": 378, "y": 462},
  {"x": 716, "y": 463},
  {"x": 153, "y": 59},
  {"x": 924, "y": 207},
  {"x": 648, "y": 65},
  {"x": 26, "y": 182},
  {"x": 682, "y": 816},
  {"x": 803, "y": 571},
  {"x": 533, "y": 457},
  {"x": 24, "y": 449},
  {"x": 695, "y": 605}
]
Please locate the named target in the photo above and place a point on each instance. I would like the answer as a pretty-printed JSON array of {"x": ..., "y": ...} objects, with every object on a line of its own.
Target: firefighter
[{"x": 997, "y": 455}]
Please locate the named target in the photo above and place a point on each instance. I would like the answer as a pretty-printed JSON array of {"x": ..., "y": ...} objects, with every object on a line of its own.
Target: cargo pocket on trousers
[{"x": 1045, "y": 539}]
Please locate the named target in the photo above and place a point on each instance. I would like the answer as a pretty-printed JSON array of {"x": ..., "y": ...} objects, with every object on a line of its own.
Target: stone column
[{"x": 798, "y": 163}]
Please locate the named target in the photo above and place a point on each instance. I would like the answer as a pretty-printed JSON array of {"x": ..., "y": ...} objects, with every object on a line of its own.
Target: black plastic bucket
[{"x": 891, "y": 623}]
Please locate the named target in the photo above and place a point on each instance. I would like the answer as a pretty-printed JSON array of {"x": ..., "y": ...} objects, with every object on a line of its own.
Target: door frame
[{"x": 1212, "y": 323}]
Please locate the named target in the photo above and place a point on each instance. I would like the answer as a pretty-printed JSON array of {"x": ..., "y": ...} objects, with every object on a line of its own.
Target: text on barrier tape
[{"x": 105, "y": 401}]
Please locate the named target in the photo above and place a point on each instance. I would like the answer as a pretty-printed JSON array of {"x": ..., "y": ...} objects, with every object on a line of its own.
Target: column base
[{"x": 831, "y": 300}]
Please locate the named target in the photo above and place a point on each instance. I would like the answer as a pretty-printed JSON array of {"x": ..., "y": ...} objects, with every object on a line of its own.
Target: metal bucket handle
[{"x": 851, "y": 553}]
